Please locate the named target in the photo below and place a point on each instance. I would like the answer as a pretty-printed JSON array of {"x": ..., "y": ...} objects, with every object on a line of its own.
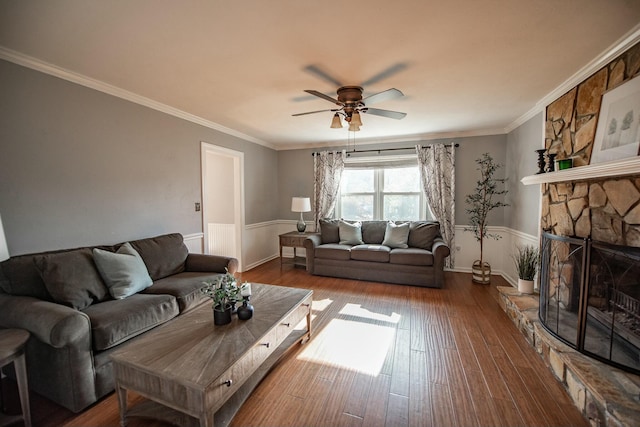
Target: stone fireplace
[{"x": 591, "y": 218}]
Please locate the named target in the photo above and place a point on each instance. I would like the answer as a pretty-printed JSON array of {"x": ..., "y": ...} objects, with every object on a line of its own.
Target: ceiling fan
[{"x": 351, "y": 104}]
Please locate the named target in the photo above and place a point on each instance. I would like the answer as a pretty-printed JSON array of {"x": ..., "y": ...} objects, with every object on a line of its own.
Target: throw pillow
[
  {"x": 396, "y": 236},
  {"x": 329, "y": 230},
  {"x": 71, "y": 278},
  {"x": 163, "y": 255},
  {"x": 350, "y": 234},
  {"x": 422, "y": 234},
  {"x": 123, "y": 271}
]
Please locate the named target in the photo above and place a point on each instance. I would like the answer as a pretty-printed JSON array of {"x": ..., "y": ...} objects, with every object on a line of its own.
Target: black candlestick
[
  {"x": 541, "y": 162},
  {"x": 552, "y": 162}
]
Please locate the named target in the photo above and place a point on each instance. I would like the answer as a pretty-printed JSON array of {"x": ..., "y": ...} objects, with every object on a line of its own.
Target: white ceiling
[{"x": 465, "y": 66}]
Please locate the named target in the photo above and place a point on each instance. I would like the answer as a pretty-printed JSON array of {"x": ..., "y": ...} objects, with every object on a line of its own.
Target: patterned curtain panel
[
  {"x": 437, "y": 171},
  {"x": 327, "y": 170}
]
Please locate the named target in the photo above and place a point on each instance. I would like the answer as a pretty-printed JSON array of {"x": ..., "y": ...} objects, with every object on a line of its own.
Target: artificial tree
[{"x": 482, "y": 201}]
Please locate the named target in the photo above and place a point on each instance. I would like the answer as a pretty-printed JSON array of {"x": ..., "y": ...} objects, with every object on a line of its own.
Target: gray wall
[
  {"x": 80, "y": 167},
  {"x": 523, "y": 212},
  {"x": 296, "y": 172}
]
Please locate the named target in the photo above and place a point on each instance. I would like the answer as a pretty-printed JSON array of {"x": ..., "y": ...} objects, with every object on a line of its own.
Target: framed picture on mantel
[{"x": 618, "y": 133}]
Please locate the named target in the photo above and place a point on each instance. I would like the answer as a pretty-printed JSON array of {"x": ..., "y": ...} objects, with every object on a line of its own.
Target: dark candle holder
[
  {"x": 552, "y": 162},
  {"x": 541, "y": 162}
]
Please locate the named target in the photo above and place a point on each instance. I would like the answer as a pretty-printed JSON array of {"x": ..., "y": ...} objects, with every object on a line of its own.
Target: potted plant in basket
[
  {"x": 526, "y": 259},
  {"x": 224, "y": 292},
  {"x": 481, "y": 202}
]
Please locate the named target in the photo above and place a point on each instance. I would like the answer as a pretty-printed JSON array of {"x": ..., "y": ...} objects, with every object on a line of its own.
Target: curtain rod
[{"x": 354, "y": 151}]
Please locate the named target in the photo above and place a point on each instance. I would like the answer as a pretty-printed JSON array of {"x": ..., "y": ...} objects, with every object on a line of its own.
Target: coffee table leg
[
  {"x": 206, "y": 419},
  {"x": 122, "y": 403},
  {"x": 23, "y": 389}
]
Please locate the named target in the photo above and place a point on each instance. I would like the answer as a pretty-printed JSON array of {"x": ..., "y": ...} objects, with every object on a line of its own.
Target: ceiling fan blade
[
  {"x": 312, "y": 112},
  {"x": 318, "y": 72},
  {"x": 384, "y": 74},
  {"x": 384, "y": 113},
  {"x": 323, "y": 96},
  {"x": 385, "y": 95}
]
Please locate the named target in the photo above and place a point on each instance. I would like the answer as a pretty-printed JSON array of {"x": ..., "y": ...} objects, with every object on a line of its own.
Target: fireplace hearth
[{"x": 590, "y": 298}]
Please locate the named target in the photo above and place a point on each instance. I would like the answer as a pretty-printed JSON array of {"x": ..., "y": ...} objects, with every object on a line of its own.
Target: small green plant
[
  {"x": 223, "y": 291},
  {"x": 526, "y": 259}
]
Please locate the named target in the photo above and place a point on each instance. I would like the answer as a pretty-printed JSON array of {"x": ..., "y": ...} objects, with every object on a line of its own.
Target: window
[{"x": 381, "y": 192}]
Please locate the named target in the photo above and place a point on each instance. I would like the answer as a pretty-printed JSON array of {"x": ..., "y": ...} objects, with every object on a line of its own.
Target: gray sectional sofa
[
  {"x": 409, "y": 253},
  {"x": 67, "y": 305}
]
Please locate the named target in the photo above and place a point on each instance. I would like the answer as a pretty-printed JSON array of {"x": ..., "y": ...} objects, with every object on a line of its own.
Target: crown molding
[
  {"x": 624, "y": 43},
  {"x": 62, "y": 73}
]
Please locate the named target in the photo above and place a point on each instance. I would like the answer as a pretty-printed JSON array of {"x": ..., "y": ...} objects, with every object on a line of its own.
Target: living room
[{"x": 87, "y": 160}]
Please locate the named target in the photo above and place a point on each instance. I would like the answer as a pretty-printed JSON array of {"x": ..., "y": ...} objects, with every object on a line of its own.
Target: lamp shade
[
  {"x": 355, "y": 119},
  {"x": 4, "y": 249},
  {"x": 335, "y": 122},
  {"x": 300, "y": 204}
]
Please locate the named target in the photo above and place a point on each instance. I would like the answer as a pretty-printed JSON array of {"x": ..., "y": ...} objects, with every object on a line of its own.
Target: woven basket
[{"x": 481, "y": 274}]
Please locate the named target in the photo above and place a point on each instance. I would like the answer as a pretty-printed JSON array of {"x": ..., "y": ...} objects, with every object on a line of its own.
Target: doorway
[{"x": 222, "y": 201}]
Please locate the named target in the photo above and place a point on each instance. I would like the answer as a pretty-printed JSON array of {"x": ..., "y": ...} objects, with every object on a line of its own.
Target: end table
[
  {"x": 12, "y": 345},
  {"x": 294, "y": 239}
]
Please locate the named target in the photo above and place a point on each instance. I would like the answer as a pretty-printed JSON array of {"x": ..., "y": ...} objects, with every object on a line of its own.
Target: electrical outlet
[{"x": 197, "y": 206}]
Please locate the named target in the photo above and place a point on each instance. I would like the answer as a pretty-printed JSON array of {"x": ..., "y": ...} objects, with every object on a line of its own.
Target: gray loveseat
[
  {"x": 76, "y": 324},
  {"x": 416, "y": 260}
]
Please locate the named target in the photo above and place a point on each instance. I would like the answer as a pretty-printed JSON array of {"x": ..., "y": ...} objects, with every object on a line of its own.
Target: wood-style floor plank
[{"x": 384, "y": 355}]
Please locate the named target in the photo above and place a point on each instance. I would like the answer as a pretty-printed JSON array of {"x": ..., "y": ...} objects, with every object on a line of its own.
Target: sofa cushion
[
  {"x": 333, "y": 251},
  {"x": 185, "y": 287},
  {"x": 329, "y": 230},
  {"x": 116, "y": 321},
  {"x": 20, "y": 276},
  {"x": 71, "y": 278},
  {"x": 396, "y": 236},
  {"x": 411, "y": 256},
  {"x": 123, "y": 271},
  {"x": 163, "y": 255},
  {"x": 350, "y": 233},
  {"x": 373, "y": 231},
  {"x": 375, "y": 253},
  {"x": 422, "y": 234}
]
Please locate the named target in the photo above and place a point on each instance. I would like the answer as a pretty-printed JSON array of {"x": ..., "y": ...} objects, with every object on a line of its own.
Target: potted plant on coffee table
[
  {"x": 224, "y": 293},
  {"x": 526, "y": 259},
  {"x": 481, "y": 202}
]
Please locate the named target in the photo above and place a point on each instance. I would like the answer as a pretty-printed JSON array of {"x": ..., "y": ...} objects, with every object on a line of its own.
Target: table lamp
[{"x": 301, "y": 204}]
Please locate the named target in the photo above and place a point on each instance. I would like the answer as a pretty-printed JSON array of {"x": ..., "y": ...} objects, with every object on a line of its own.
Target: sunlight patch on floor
[
  {"x": 359, "y": 346},
  {"x": 357, "y": 310}
]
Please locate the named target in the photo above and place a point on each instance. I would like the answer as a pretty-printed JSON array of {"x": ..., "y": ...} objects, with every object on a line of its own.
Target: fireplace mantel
[{"x": 629, "y": 166}]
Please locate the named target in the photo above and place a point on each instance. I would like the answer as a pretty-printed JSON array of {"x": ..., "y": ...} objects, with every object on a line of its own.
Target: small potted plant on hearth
[
  {"x": 225, "y": 293},
  {"x": 526, "y": 259}
]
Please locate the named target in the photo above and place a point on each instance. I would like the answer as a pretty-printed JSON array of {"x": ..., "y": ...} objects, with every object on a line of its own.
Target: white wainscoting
[
  {"x": 261, "y": 243},
  {"x": 498, "y": 253},
  {"x": 194, "y": 242}
]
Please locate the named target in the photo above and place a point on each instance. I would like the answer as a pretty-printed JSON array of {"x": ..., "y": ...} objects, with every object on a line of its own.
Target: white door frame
[{"x": 238, "y": 191}]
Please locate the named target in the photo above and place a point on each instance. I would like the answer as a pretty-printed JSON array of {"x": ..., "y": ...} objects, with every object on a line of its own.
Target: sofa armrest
[
  {"x": 211, "y": 263},
  {"x": 54, "y": 324},
  {"x": 310, "y": 244},
  {"x": 440, "y": 251}
]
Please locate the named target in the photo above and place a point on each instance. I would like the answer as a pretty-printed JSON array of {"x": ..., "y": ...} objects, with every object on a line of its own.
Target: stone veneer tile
[{"x": 606, "y": 396}]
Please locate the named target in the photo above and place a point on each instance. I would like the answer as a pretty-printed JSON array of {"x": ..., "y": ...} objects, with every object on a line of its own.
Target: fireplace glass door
[{"x": 590, "y": 298}]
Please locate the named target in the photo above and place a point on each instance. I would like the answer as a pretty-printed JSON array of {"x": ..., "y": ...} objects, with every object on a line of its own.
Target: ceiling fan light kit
[
  {"x": 336, "y": 123},
  {"x": 352, "y": 105}
]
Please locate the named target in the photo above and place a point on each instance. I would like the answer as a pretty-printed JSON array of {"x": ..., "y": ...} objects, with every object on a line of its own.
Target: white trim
[
  {"x": 193, "y": 236},
  {"x": 266, "y": 224},
  {"x": 629, "y": 166},
  {"x": 62, "y": 73},
  {"x": 621, "y": 45},
  {"x": 238, "y": 191}
]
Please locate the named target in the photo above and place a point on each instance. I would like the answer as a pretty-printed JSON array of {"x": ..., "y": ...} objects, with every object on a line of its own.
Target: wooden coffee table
[{"x": 198, "y": 372}]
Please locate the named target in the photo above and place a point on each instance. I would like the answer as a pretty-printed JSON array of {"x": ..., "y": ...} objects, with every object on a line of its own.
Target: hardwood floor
[{"x": 388, "y": 355}]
